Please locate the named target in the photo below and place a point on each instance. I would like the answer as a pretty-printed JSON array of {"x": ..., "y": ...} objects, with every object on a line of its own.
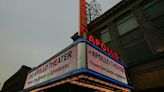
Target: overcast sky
[{"x": 31, "y": 31}]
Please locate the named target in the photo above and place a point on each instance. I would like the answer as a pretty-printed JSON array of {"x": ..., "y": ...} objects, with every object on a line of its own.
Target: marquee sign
[
  {"x": 102, "y": 64},
  {"x": 80, "y": 55},
  {"x": 58, "y": 66}
]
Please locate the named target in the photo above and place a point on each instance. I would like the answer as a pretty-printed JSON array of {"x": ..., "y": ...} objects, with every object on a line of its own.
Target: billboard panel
[
  {"x": 62, "y": 64},
  {"x": 99, "y": 62}
]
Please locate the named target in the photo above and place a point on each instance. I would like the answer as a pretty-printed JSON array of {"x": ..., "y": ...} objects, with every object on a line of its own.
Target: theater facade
[
  {"x": 135, "y": 30},
  {"x": 87, "y": 65}
]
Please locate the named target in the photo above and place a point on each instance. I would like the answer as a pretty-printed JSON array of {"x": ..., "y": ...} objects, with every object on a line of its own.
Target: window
[
  {"x": 126, "y": 24},
  {"x": 159, "y": 24},
  {"x": 155, "y": 12},
  {"x": 154, "y": 9},
  {"x": 105, "y": 36},
  {"x": 138, "y": 51}
]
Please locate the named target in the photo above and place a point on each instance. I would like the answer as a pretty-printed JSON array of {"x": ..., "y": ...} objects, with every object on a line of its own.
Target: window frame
[
  {"x": 125, "y": 19},
  {"x": 104, "y": 32}
]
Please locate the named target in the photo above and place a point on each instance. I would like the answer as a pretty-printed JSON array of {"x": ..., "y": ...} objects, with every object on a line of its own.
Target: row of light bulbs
[{"x": 75, "y": 80}]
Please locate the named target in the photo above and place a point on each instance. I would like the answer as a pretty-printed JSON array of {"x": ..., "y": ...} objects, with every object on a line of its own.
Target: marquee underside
[{"x": 85, "y": 80}]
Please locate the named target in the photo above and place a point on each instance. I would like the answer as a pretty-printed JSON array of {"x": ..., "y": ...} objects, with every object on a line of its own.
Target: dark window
[
  {"x": 159, "y": 24},
  {"x": 154, "y": 9},
  {"x": 155, "y": 12},
  {"x": 138, "y": 51}
]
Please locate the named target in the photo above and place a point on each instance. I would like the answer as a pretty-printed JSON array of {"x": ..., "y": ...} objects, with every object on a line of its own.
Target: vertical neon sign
[
  {"x": 83, "y": 18},
  {"x": 84, "y": 29}
]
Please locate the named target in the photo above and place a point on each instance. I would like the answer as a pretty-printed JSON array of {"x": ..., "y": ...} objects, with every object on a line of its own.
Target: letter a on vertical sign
[{"x": 83, "y": 19}]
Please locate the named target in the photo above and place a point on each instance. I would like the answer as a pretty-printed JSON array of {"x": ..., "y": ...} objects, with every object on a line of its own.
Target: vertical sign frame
[{"x": 83, "y": 19}]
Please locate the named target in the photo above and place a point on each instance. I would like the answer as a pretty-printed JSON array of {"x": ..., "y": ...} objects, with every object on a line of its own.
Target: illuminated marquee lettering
[
  {"x": 83, "y": 18},
  {"x": 57, "y": 66},
  {"x": 99, "y": 62},
  {"x": 53, "y": 63},
  {"x": 84, "y": 30},
  {"x": 103, "y": 47}
]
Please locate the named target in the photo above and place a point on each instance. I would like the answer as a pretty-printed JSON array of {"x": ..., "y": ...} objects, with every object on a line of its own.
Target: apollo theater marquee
[{"x": 85, "y": 65}]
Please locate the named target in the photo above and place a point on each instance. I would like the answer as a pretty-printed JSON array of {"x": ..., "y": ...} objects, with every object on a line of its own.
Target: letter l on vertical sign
[{"x": 83, "y": 19}]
